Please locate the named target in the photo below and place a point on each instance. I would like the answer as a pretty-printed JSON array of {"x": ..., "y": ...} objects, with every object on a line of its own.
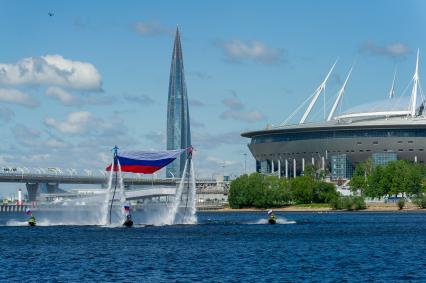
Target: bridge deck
[{"x": 16, "y": 177}]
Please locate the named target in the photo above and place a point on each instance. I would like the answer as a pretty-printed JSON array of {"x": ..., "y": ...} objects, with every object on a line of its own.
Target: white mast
[
  {"x": 339, "y": 96},
  {"x": 392, "y": 89},
  {"x": 414, "y": 90},
  {"x": 317, "y": 93}
]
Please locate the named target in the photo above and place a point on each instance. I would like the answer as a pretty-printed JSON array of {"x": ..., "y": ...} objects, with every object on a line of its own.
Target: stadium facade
[
  {"x": 391, "y": 129},
  {"x": 178, "y": 125}
]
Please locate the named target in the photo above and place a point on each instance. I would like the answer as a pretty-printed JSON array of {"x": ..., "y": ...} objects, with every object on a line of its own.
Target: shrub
[
  {"x": 420, "y": 201},
  {"x": 401, "y": 203},
  {"x": 349, "y": 203}
]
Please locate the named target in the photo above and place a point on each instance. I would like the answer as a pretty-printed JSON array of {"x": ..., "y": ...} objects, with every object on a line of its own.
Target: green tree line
[
  {"x": 260, "y": 191},
  {"x": 394, "y": 178}
]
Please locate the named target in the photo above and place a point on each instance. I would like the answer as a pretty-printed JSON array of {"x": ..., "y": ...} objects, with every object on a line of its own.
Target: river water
[{"x": 223, "y": 247}]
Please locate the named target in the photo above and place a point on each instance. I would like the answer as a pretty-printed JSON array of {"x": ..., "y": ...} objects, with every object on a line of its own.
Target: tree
[
  {"x": 257, "y": 190},
  {"x": 302, "y": 190},
  {"x": 377, "y": 184},
  {"x": 396, "y": 177},
  {"x": 261, "y": 191},
  {"x": 310, "y": 171},
  {"x": 324, "y": 192},
  {"x": 358, "y": 181}
]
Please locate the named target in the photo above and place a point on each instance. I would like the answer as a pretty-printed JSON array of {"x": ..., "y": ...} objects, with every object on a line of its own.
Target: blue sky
[{"x": 96, "y": 73}]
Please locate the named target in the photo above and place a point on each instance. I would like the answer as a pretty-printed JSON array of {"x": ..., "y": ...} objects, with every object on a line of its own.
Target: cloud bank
[
  {"x": 75, "y": 123},
  {"x": 14, "y": 96},
  {"x": 51, "y": 70}
]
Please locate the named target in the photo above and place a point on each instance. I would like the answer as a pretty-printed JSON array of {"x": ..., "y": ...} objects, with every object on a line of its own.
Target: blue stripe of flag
[{"x": 159, "y": 163}]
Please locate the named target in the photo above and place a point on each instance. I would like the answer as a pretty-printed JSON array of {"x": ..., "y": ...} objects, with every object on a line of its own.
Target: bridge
[
  {"x": 78, "y": 179},
  {"x": 137, "y": 194},
  {"x": 48, "y": 182}
]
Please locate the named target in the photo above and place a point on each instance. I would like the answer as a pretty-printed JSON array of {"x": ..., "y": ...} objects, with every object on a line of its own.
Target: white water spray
[
  {"x": 175, "y": 215},
  {"x": 106, "y": 204},
  {"x": 122, "y": 193},
  {"x": 191, "y": 218},
  {"x": 177, "y": 200}
]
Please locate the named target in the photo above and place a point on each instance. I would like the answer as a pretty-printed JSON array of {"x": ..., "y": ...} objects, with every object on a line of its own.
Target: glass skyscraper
[{"x": 178, "y": 127}]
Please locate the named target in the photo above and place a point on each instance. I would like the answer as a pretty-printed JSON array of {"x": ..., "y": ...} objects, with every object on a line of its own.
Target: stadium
[{"x": 385, "y": 130}]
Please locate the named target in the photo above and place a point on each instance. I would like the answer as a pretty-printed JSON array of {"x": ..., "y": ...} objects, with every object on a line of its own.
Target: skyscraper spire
[{"x": 178, "y": 127}]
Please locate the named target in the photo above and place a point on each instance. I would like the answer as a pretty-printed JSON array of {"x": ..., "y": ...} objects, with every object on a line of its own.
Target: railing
[{"x": 131, "y": 179}]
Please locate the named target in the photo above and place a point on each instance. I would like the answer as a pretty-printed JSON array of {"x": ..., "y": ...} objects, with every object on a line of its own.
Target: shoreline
[{"x": 372, "y": 207}]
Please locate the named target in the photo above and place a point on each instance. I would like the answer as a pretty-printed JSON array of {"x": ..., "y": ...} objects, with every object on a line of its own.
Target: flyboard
[{"x": 142, "y": 162}]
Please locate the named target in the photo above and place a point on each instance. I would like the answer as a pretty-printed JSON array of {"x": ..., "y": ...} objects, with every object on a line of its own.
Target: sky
[{"x": 95, "y": 74}]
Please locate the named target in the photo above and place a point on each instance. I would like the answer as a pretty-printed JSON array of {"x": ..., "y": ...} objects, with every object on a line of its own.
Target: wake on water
[{"x": 278, "y": 221}]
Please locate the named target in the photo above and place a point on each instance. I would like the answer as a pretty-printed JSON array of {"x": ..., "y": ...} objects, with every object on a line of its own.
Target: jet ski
[
  {"x": 271, "y": 217},
  {"x": 32, "y": 221},
  {"x": 128, "y": 222}
]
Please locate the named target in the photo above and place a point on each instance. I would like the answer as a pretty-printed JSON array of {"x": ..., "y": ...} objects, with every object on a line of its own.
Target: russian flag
[
  {"x": 126, "y": 208},
  {"x": 28, "y": 211},
  {"x": 146, "y": 162}
]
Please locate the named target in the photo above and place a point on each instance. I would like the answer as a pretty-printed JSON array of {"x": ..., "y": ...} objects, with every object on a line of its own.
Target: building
[
  {"x": 341, "y": 167},
  {"x": 178, "y": 127},
  {"x": 382, "y": 158},
  {"x": 391, "y": 129}
]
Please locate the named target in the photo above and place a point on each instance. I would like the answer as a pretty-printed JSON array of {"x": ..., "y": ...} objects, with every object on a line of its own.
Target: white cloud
[
  {"x": 237, "y": 51},
  {"x": 55, "y": 143},
  {"x": 92, "y": 131},
  {"x": 393, "y": 50},
  {"x": 63, "y": 96},
  {"x": 76, "y": 123},
  {"x": 235, "y": 111},
  {"x": 233, "y": 103},
  {"x": 35, "y": 158},
  {"x": 29, "y": 159},
  {"x": 152, "y": 28},
  {"x": 67, "y": 98},
  {"x": 26, "y": 136},
  {"x": 23, "y": 132},
  {"x": 244, "y": 116},
  {"x": 16, "y": 97},
  {"x": 51, "y": 70}
]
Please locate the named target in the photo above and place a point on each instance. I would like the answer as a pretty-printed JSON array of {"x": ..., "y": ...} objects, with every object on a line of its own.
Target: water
[{"x": 223, "y": 247}]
